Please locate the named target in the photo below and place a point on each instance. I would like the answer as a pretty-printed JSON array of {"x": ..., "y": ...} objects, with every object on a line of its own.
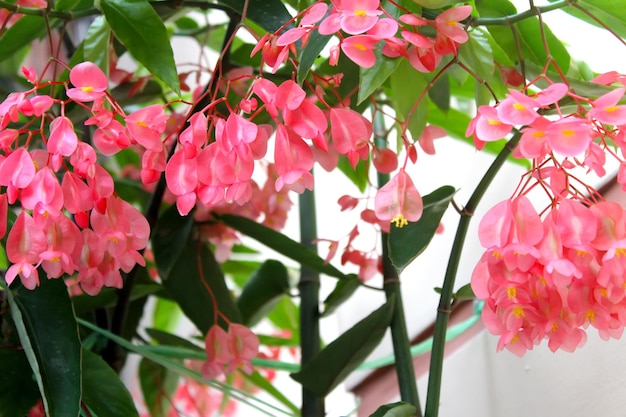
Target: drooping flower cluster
[
  {"x": 363, "y": 26},
  {"x": 227, "y": 351},
  {"x": 69, "y": 219},
  {"x": 552, "y": 278}
]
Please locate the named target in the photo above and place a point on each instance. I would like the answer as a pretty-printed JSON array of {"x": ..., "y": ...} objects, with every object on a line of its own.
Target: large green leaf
[
  {"x": 169, "y": 238},
  {"x": 529, "y": 34},
  {"x": 18, "y": 389},
  {"x": 399, "y": 409},
  {"x": 269, "y": 14},
  {"x": 281, "y": 244},
  {"x": 20, "y": 35},
  {"x": 141, "y": 30},
  {"x": 197, "y": 283},
  {"x": 262, "y": 291},
  {"x": 409, "y": 97},
  {"x": 343, "y": 290},
  {"x": 612, "y": 13},
  {"x": 406, "y": 243},
  {"x": 337, "y": 360},
  {"x": 47, "y": 330},
  {"x": 358, "y": 175},
  {"x": 103, "y": 391},
  {"x": 372, "y": 78},
  {"x": 96, "y": 44},
  {"x": 309, "y": 54}
]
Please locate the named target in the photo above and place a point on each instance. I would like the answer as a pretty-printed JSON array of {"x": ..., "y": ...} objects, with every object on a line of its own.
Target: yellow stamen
[
  {"x": 554, "y": 328},
  {"x": 497, "y": 255},
  {"x": 142, "y": 124},
  {"x": 590, "y": 316},
  {"x": 518, "y": 312},
  {"x": 619, "y": 252},
  {"x": 399, "y": 221},
  {"x": 360, "y": 47},
  {"x": 519, "y": 107},
  {"x": 87, "y": 89},
  {"x": 514, "y": 339},
  {"x": 611, "y": 109},
  {"x": 360, "y": 13},
  {"x": 568, "y": 132},
  {"x": 538, "y": 134},
  {"x": 511, "y": 293},
  {"x": 494, "y": 122}
]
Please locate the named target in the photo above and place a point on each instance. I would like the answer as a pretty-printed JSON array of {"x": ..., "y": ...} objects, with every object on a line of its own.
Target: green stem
[
  {"x": 405, "y": 371},
  {"x": 309, "y": 286},
  {"x": 509, "y": 20},
  {"x": 445, "y": 301}
]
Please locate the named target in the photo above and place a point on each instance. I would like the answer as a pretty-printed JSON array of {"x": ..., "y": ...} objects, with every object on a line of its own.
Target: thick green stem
[
  {"x": 509, "y": 20},
  {"x": 445, "y": 300},
  {"x": 407, "y": 383},
  {"x": 309, "y": 286}
]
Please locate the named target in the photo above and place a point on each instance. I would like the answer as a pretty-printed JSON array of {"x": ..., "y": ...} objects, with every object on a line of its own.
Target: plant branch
[
  {"x": 445, "y": 300},
  {"x": 405, "y": 371},
  {"x": 510, "y": 20},
  {"x": 309, "y": 286}
]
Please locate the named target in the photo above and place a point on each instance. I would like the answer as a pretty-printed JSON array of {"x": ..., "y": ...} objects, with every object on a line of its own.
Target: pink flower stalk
[
  {"x": 89, "y": 82},
  {"x": 399, "y": 201}
]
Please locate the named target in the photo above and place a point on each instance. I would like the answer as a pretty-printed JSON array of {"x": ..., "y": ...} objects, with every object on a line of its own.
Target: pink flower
[
  {"x": 448, "y": 25},
  {"x": 89, "y": 82},
  {"x": 352, "y": 16},
  {"x": 606, "y": 108},
  {"x": 351, "y": 133},
  {"x": 399, "y": 201},
  {"x": 360, "y": 49}
]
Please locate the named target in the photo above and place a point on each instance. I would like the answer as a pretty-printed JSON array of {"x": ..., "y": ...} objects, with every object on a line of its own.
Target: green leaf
[
  {"x": 440, "y": 93},
  {"x": 197, "y": 284},
  {"x": 157, "y": 386},
  {"x": 310, "y": 53},
  {"x": 96, "y": 44},
  {"x": 141, "y": 30},
  {"x": 343, "y": 290},
  {"x": 107, "y": 297},
  {"x": 405, "y": 96},
  {"x": 269, "y": 14},
  {"x": 20, "y": 35},
  {"x": 169, "y": 238},
  {"x": 169, "y": 339},
  {"x": 407, "y": 242},
  {"x": 262, "y": 291},
  {"x": 261, "y": 382},
  {"x": 166, "y": 314},
  {"x": 281, "y": 244},
  {"x": 337, "y": 360},
  {"x": 47, "y": 330},
  {"x": 103, "y": 391},
  {"x": 371, "y": 79},
  {"x": 533, "y": 45},
  {"x": 18, "y": 389},
  {"x": 610, "y": 12},
  {"x": 358, "y": 175},
  {"x": 465, "y": 293},
  {"x": 286, "y": 315},
  {"x": 399, "y": 409},
  {"x": 69, "y": 5}
]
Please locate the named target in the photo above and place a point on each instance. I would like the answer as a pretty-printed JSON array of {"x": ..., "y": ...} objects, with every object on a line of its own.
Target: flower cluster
[
  {"x": 227, "y": 351},
  {"x": 69, "y": 221},
  {"x": 363, "y": 26},
  {"x": 554, "y": 277}
]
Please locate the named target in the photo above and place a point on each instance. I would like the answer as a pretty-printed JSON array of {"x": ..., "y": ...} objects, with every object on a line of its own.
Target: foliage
[{"x": 133, "y": 177}]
